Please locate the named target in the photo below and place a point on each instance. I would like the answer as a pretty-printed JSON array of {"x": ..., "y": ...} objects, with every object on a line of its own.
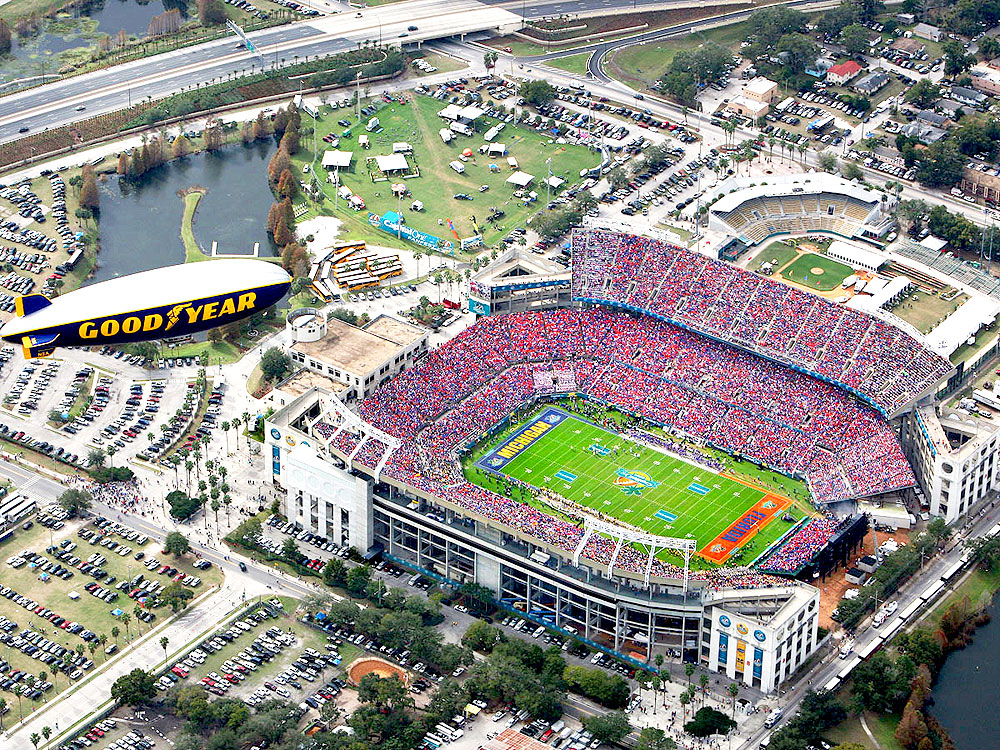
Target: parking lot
[
  {"x": 65, "y": 586},
  {"x": 64, "y": 407}
]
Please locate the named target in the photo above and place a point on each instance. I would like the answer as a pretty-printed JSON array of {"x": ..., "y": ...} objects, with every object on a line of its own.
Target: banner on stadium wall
[
  {"x": 393, "y": 223},
  {"x": 474, "y": 241},
  {"x": 723, "y": 648},
  {"x": 512, "y": 447},
  {"x": 758, "y": 662},
  {"x": 741, "y": 655}
]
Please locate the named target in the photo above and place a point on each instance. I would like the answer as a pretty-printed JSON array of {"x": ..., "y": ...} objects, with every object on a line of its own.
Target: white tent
[
  {"x": 337, "y": 159},
  {"x": 470, "y": 113},
  {"x": 520, "y": 179},
  {"x": 497, "y": 149},
  {"x": 451, "y": 112},
  {"x": 391, "y": 163},
  {"x": 554, "y": 182}
]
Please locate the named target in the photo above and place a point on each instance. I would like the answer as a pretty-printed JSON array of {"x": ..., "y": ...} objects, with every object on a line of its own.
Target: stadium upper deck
[{"x": 880, "y": 364}]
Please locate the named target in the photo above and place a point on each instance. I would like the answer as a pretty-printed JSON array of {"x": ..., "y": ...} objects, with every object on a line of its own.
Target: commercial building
[
  {"x": 745, "y": 107},
  {"x": 926, "y": 31},
  {"x": 756, "y": 635},
  {"x": 908, "y": 47},
  {"x": 985, "y": 79},
  {"x": 360, "y": 358},
  {"x": 761, "y": 90},
  {"x": 871, "y": 83}
]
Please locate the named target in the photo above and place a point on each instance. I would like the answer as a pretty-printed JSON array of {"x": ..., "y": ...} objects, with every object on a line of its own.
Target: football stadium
[{"x": 580, "y": 462}]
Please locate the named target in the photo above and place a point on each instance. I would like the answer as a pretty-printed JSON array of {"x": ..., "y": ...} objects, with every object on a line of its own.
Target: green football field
[{"x": 639, "y": 485}]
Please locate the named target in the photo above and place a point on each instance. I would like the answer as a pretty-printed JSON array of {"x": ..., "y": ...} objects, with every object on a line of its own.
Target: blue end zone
[
  {"x": 698, "y": 488},
  {"x": 566, "y": 476},
  {"x": 664, "y": 516}
]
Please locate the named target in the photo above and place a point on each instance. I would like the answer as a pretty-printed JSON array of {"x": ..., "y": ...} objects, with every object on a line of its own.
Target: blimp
[{"x": 165, "y": 302}]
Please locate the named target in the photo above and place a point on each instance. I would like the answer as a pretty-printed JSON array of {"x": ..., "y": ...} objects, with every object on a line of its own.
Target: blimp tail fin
[
  {"x": 29, "y": 303},
  {"x": 38, "y": 346}
]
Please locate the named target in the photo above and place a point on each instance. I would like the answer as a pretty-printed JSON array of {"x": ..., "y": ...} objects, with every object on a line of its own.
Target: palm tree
[
  {"x": 111, "y": 451},
  {"x": 226, "y": 500},
  {"x": 225, "y": 431},
  {"x": 163, "y": 644},
  {"x": 188, "y": 465},
  {"x": 685, "y": 699},
  {"x": 46, "y": 733},
  {"x": 656, "y": 691},
  {"x": 688, "y": 671},
  {"x": 125, "y": 621},
  {"x": 43, "y": 676},
  {"x": 734, "y": 690},
  {"x": 703, "y": 682},
  {"x": 35, "y": 739},
  {"x": 216, "y": 505},
  {"x": 246, "y": 427},
  {"x": 137, "y": 610},
  {"x": 770, "y": 142},
  {"x": 115, "y": 632}
]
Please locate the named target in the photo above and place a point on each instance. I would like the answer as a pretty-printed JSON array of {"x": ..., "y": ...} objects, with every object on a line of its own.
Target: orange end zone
[{"x": 744, "y": 528}]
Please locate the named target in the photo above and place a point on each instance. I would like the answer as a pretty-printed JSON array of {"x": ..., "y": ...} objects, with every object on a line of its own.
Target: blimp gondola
[{"x": 168, "y": 302}]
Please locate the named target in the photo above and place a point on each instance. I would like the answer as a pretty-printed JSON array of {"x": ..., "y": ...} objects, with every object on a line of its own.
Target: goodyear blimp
[{"x": 165, "y": 302}]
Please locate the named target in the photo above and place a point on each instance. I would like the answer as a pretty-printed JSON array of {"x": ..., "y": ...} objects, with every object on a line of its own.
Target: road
[{"x": 828, "y": 668}]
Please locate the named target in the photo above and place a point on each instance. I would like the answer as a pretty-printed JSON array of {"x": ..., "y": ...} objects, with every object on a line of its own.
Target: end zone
[{"x": 743, "y": 528}]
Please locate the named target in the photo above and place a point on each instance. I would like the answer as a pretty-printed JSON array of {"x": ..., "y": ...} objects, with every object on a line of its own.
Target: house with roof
[
  {"x": 927, "y": 31},
  {"x": 929, "y": 117},
  {"x": 871, "y": 82},
  {"x": 968, "y": 97},
  {"x": 908, "y": 47},
  {"x": 842, "y": 73},
  {"x": 926, "y": 134}
]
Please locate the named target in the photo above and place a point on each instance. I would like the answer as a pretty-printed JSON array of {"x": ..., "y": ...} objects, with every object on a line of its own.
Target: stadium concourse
[{"x": 743, "y": 403}]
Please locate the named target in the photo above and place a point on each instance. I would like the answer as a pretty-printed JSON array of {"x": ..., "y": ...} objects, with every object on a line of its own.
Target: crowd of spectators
[
  {"x": 800, "y": 547},
  {"x": 881, "y": 363},
  {"x": 691, "y": 385}
]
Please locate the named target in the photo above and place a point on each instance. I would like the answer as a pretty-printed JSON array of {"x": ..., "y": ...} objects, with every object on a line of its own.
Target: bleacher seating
[{"x": 880, "y": 363}]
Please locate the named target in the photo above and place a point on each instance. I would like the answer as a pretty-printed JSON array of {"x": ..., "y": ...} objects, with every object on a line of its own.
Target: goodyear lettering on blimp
[{"x": 183, "y": 314}]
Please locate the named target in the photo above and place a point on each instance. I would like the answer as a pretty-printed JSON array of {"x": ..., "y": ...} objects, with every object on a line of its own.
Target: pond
[
  {"x": 73, "y": 33},
  {"x": 140, "y": 222},
  {"x": 967, "y": 692}
]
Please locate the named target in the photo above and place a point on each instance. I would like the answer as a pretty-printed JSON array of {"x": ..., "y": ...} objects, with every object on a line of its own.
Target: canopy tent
[
  {"x": 497, "y": 149},
  {"x": 451, "y": 112},
  {"x": 554, "y": 182},
  {"x": 391, "y": 163},
  {"x": 520, "y": 179},
  {"x": 337, "y": 159}
]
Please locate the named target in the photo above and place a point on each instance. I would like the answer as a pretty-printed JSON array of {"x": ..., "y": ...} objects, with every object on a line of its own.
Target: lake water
[
  {"x": 141, "y": 222},
  {"x": 38, "y": 54},
  {"x": 967, "y": 693}
]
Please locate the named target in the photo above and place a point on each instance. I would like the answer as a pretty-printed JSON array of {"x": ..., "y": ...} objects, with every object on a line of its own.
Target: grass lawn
[
  {"x": 572, "y": 63},
  {"x": 883, "y": 728},
  {"x": 417, "y": 123},
  {"x": 978, "y": 587},
  {"x": 639, "y": 486},
  {"x": 779, "y": 252},
  {"x": 443, "y": 63},
  {"x": 816, "y": 272},
  {"x": 643, "y": 64},
  {"x": 89, "y": 611},
  {"x": 215, "y": 351},
  {"x": 192, "y": 252},
  {"x": 927, "y": 310}
]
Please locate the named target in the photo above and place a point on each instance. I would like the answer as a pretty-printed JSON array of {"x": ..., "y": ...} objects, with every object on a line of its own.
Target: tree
[
  {"x": 689, "y": 671},
  {"x": 481, "y": 636},
  {"x": 3, "y": 710},
  {"x": 652, "y": 738},
  {"x": 95, "y": 457},
  {"x": 955, "y": 58},
  {"x": 610, "y": 727},
  {"x": 290, "y": 550},
  {"x": 175, "y": 595},
  {"x": 136, "y": 688},
  {"x": 851, "y": 171},
  {"x": 5, "y": 38},
  {"x": 709, "y": 721},
  {"x": 855, "y": 39},
  {"x": 923, "y": 93},
  {"x": 912, "y": 727},
  {"x": 490, "y": 60},
  {"x": 181, "y": 147},
  {"x": 282, "y": 234},
  {"x": 35, "y": 738},
  {"x": 46, "y": 732},
  {"x": 940, "y": 165},
  {"x": 90, "y": 197},
  {"x": 801, "y": 52},
  {"x": 182, "y": 505},
  {"x": 288, "y": 186},
  {"x": 989, "y": 47},
  {"x": 75, "y": 501},
  {"x": 537, "y": 92},
  {"x": 211, "y": 12},
  {"x": 176, "y": 543},
  {"x": 278, "y": 164},
  {"x": 734, "y": 691},
  {"x": 275, "y": 364}
]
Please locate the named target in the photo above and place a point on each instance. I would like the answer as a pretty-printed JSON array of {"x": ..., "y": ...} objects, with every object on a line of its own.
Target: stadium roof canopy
[
  {"x": 963, "y": 323},
  {"x": 856, "y": 256},
  {"x": 520, "y": 179},
  {"x": 337, "y": 159},
  {"x": 391, "y": 163},
  {"x": 737, "y": 191}
]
